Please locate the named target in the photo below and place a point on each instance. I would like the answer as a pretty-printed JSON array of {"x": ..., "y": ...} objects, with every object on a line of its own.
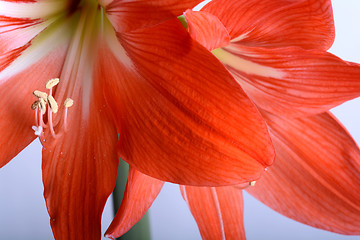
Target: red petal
[
  {"x": 277, "y": 23},
  {"x": 292, "y": 81},
  {"x": 316, "y": 174},
  {"x": 130, "y": 15},
  {"x": 16, "y": 116},
  {"x": 207, "y": 29},
  {"x": 218, "y": 211},
  {"x": 16, "y": 35},
  {"x": 26, "y": 63},
  {"x": 80, "y": 165},
  {"x": 181, "y": 116},
  {"x": 141, "y": 191}
]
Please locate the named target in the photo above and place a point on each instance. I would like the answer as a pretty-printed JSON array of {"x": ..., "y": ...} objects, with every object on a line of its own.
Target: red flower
[
  {"x": 131, "y": 69},
  {"x": 276, "y": 50}
]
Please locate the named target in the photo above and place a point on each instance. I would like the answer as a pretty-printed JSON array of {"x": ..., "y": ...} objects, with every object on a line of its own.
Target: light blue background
[{"x": 22, "y": 208}]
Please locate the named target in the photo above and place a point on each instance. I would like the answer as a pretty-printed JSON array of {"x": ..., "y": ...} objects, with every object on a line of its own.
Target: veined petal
[
  {"x": 128, "y": 15},
  {"x": 79, "y": 171},
  {"x": 29, "y": 56},
  {"x": 277, "y": 23},
  {"x": 218, "y": 211},
  {"x": 207, "y": 29},
  {"x": 16, "y": 116},
  {"x": 292, "y": 81},
  {"x": 32, "y": 9},
  {"x": 181, "y": 117},
  {"x": 315, "y": 178},
  {"x": 80, "y": 162},
  {"x": 141, "y": 191},
  {"x": 37, "y": 40}
]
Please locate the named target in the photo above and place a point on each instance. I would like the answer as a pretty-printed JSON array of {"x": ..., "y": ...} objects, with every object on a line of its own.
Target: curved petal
[
  {"x": 181, "y": 117},
  {"x": 27, "y": 61},
  {"x": 207, "y": 29},
  {"x": 134, "y": 14},
  {"x": 218, "y": 211},
  {"x": 79, "y": 172},
  {"x": 80, "y": 162},
  {"x": 32, "y": 9},
  {"x": 140, "y": 192},
  {"x": 277, "y": 23},
  {"x": 292, "y": 81},
  {"x": 17, "y": 117},
  {"x": 316, "y": 175}
]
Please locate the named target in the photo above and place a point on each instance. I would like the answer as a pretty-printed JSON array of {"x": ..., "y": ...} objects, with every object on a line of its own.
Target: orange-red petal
[
  {"x": 181, "y": 117},
  {"x": 292, "y": 81},
  {"x": 16, "y": 87},
  {"x": 140, "y": 192},
  {"x": 79, "y": 170},
  {"x": 316, "y": 173},
  {"x": 80, "y": 163},
  {"x": 130, "y": 15},
  {"x": 218, "y": 211},
  {"x": 207, "y": 29},
  {"x": 277, "y": 23}
]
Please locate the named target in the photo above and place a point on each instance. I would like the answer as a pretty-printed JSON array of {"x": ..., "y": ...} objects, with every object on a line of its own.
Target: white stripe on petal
[
  {"x": 54, "y": 36},
  {"x": 246, "y": 66},
  {"x": 115, "y": 46},
  {"x": 32, "y": 10}
]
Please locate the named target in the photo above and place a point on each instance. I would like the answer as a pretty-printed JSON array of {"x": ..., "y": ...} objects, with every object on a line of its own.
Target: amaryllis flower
[
  {"x": 277, "y": 53},
  {"x": 97, "y": 80}
]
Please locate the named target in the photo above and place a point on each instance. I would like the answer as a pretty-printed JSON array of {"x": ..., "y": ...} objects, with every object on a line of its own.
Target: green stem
[{"x": 141, "y": 231}]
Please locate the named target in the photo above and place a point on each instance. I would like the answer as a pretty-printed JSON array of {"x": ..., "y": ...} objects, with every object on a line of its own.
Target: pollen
[
  {"x": 53, "y": 104},
  {"x": 52, "y": 83},
  {"x": 252, "y": 183},
  {"x": 35, "y": 104},
  {"x": 68, "y": 102},
  {"x": 40, "y": 94}
]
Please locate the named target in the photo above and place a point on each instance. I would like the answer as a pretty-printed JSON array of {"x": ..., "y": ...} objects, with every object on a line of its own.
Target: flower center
[{"x": 47, "y": 103}]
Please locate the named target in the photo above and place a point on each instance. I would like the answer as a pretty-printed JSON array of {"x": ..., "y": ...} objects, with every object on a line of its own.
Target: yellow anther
[
  {"x": 42, "y": 105},
  {"x": 252, "y": 183},
  {"x": 40, "y": 94},
  {"x": 53, "y": 104},
  {"x": 68, "y": 102},
  {"x": 35, "y": 104},
  {"x": 52, "y": 83}
]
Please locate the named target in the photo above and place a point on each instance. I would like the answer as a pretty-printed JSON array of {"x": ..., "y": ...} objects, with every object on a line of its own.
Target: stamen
[
  {"x": 68, "y": 102},
  {"x": 52, "y": 83},
  {"x": 42, "y": 106},
  {"x": 35, "y": 104},
  {"x": 252, "y": 183},
  {"x": 51, "y": 124},
  {"x": 53, "y": 104},
  {"x": 40, "y": 94},
  {"x": 40, "y": 109}
]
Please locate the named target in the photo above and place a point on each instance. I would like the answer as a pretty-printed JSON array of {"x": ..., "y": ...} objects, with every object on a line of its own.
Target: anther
[
  {"x": 53, "y": 104},
  {"x": 252, "y": 183},
  {"x": 52, "y": 83},
  {"x": 35, "y": 104},
  {"x": 68, "y": 102},
  {"x": 40, "y": 94},
  {"x": 42, "y": 105}
]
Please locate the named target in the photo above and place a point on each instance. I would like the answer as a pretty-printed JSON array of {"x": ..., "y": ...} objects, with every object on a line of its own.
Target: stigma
[{"x": 46, "y": 103}]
